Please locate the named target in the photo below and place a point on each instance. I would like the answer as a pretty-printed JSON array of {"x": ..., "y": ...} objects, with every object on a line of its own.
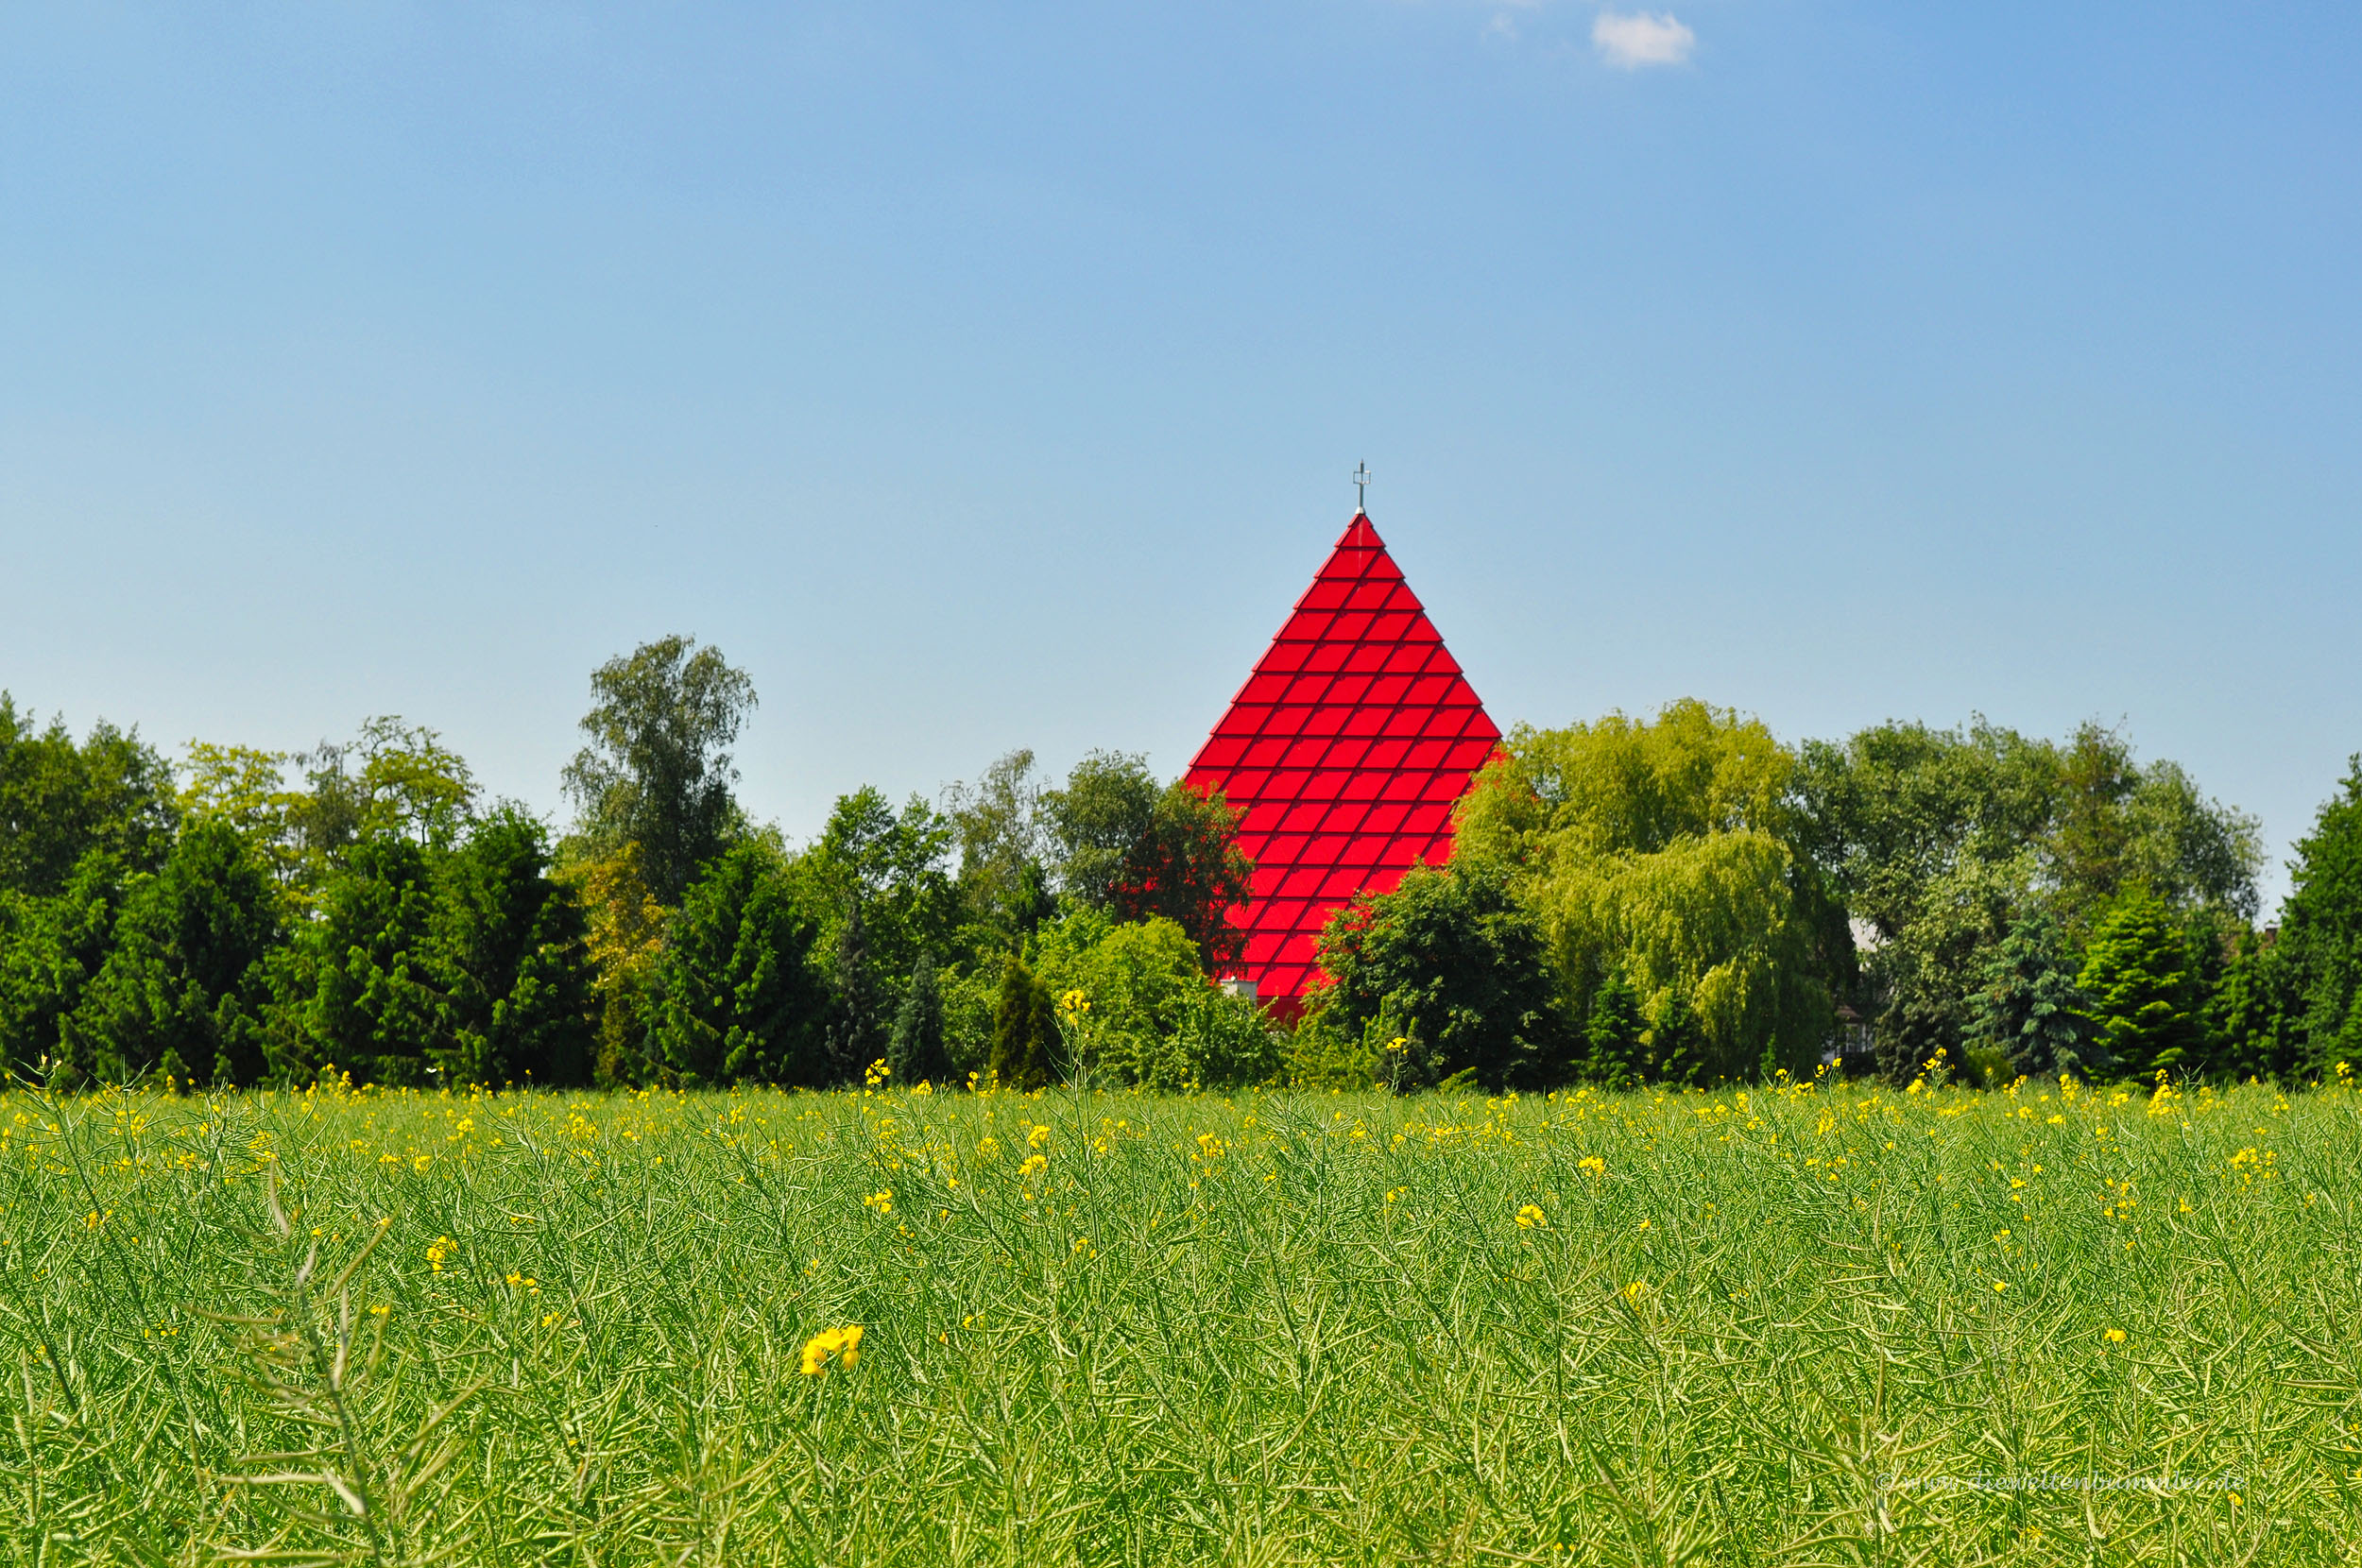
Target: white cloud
[{"x": 1632, "y": 41}]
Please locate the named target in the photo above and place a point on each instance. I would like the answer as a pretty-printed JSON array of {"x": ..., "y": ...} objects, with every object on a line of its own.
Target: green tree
[
  {"x": 858, "y": 1025},
  {"x": 2312, "y": 976},
  {"x": 1142, "y": 982},
  {"x": 1004, "y": 881},
  {"x": 657, "y": 771},
  {"x": 1666, "y": 851},
  {"x": 51, "y": 948},
  {"x": 366, "y": 971},
  {"x": 2118, "y": 823},
  {"x": 738, "y": 1000},
  {"x": 2136, "y": 973},
  {"x": 185, "y": 986},
  {"x": 2030, "y": 1009},
  {"x": 112, "y": 794},
  {"x": 1614, "y": 1035},
  {"x": 1135, "y": 849},
  {"x": 1454, "y": 965},
  {"x": 1027, "y": 1049},
  {"x": 511, "y": 962},
  {"x": 394, "y": 781},
  {"x": 2251, "y": 1028},
  {"x": 892, "y": 867},
  {"x": 244, "y": 789},
  {"x": 625, "y": 938},
  {"x": 1939, "y": 842},
  {"x": 915, "y": 1051}
]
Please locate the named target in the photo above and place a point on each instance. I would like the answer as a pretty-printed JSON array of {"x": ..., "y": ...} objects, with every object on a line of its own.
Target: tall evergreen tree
[
  {"x": 51, "y": 949},
  {"x": 365, "y": 980},
  {"x": 511, "y": 962},
  {"x": 916, "y": 1052},
  {"x": 738, "y": 1000},
  {"x": 857, "y": 1024},
  {"x": 2136, "y": 973},
  {"x": 1615, "y": 1034},
  {"x": 2317, "y": 958},
  {"x": 183, "y": 992},
  {"x": 2030, "y": 1009},
  {"x": 1026, "y": 1046}
]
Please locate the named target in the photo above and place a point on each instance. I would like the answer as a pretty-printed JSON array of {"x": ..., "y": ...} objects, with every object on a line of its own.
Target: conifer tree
[
  {"x": 2136, "y": 974},
  {"x": 182, "y": 992},
  {"x": 2316, "y": 966},
  {"x": 1614, "y": 1033},
  {"x": 738, "y": 1000},
  {"x": 916, "y": 1052},
  {"x": 2029, "y": 1007},
  {"x": 856, "y": 1034},
  {"x": 1025, "y": 1039}
]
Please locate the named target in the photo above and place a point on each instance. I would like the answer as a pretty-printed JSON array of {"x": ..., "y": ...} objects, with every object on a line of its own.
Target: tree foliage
[
  {"x": 1940, "y": 842},
  {"x": 915, "y": 1051},
  {"x": 1140, "y": 979},
  {"x": 893, "y": 868},
  {"x": 1665, "y": 852},
  {"x": 511, "y": 960},
  {"x": 185, "y": 989},
  {"x": 1452, "y": 967},
  {"x": 1136, "y": 849},
  {"x": 657, "y": 771},
  {"x": 1004, "y": 879},
  {"x": 1028, "y": 1050},
  {"x": 2144, "y": 1008},
  {"x": 2304, "y": 992},
  {"x": 2030, "y": 1009},
  {"x": 112, "y": 794},
  {"x": 738, "y": 1000}
]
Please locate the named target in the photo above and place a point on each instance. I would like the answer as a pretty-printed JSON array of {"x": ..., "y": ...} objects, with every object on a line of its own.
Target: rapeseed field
[{"x": 1812, "y": 1324}]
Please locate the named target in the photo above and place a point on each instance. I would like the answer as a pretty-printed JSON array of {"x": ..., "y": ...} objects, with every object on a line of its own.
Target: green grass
[{"x": 1283, "y": 1328}]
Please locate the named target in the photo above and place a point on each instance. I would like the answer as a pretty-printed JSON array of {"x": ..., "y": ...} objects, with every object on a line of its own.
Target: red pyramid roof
[{"x": 1344, "y": 751}]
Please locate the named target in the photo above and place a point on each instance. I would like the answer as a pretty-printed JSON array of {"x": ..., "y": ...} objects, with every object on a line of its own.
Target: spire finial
[{"x": 1362, "y": 489}]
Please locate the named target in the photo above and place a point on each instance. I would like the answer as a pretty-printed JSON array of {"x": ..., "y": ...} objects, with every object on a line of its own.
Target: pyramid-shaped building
[{"x": 1345, "y": 752}]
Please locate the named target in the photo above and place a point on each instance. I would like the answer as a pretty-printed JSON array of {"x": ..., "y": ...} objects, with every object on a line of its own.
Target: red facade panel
[{"x": 1346, "y": 748}]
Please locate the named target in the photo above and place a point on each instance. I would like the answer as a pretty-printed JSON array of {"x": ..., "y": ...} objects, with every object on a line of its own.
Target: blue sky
[{"x": 989, "y": 376}]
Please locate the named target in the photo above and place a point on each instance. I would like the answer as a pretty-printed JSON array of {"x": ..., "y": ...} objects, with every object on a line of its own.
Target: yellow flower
[
  {"x": 1593, "y": 1163},
  {"x": 844, "y": 1344},
  {"x": 1033, "y": 1165},
  {"x": 881, "y": 1202},
  {"x": 438, "y": 1250},
  {"x": 879, "y": 1073},
  {"x": 1532, "y": 1217},
  {"x": 2115, "y": 1336},
  {"x": 1633, "y": 1291},
  {"x": 2001, "y": 1285}
]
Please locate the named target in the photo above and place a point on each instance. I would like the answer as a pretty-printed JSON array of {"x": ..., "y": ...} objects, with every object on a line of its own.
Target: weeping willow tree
[{"x": 1658, "y": 856}]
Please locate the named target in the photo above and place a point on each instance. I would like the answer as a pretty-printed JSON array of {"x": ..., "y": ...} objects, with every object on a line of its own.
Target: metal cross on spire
[{"x": 1361, "y": 487}]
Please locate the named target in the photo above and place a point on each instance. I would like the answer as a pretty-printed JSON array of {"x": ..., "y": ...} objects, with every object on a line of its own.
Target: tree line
[
  {"x": 255, "y": 917},
  {"x": 1680, "y": 899},
  {"x": 1684, "y": 901}
]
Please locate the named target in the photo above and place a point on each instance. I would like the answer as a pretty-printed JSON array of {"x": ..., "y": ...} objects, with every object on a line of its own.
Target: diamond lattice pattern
[{"x": 1344, "y": 751}]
